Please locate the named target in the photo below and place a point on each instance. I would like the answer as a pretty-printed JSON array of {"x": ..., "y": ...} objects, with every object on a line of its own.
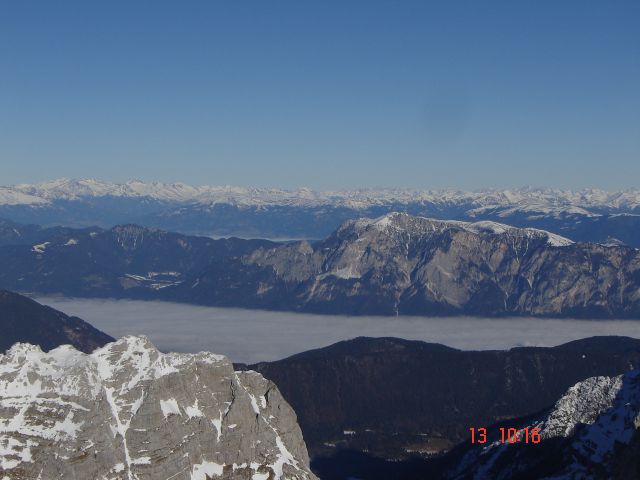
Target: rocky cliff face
[
  {"x": 592, "y": 432},
  {"x": 129, "y": 412},
  {"x": 399, "y": 264}
]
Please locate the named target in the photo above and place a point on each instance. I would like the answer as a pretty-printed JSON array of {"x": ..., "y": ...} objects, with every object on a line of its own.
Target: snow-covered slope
[
  {"x": 78, "y": 189},
  {"x": 128, "y": 411},
  {"x": 402, "y": 222},
  {"x": 13, "y": 196}
]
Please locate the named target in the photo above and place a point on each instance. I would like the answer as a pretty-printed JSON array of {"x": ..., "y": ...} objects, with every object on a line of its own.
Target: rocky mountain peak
[
  {"x": 417, "y": 265},
  {"x": 398, "y": 222},
  {"x": 593, "y": 427},
  {"x": 128, "y": 411}
]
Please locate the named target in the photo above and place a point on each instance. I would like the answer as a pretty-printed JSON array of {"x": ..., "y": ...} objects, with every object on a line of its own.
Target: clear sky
[{"x": 326, "y": 94}]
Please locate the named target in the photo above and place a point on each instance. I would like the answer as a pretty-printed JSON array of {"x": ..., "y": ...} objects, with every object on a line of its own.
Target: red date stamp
[{"x": 507, "y": 435}]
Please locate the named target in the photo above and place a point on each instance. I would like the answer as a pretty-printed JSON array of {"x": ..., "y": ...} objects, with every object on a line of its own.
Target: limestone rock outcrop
[
  {"x": 401, "y": 264},
  {"x": 130, "y": 412}
]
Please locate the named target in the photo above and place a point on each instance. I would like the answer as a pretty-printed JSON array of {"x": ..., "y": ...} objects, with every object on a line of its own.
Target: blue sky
[{"x": 331, "y": 94}]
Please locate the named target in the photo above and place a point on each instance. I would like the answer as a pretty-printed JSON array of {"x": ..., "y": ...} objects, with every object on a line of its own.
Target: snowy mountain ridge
[
  {"x": 544, "y": 200},
  {"x": 398, "y": 221}
]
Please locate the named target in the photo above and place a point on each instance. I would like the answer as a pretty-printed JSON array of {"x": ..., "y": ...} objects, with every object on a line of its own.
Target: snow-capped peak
[{"x": 398, "y": 221}]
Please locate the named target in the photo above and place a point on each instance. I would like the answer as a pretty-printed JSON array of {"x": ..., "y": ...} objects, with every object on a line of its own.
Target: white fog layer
[{"x": 256, "y": 335}]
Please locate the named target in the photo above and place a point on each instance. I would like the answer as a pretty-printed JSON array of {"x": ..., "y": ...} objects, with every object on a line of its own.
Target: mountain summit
[
  {"x": 128, "y": 411},
  {"x": 403, "y": 264}
]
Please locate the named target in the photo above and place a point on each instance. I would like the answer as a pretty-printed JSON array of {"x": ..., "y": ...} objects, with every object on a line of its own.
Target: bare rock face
[{"x": 129, "y": 412}]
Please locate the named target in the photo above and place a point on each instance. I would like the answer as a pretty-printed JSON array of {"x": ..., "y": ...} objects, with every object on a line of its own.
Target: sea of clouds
[{"x": 257, "y": 335}]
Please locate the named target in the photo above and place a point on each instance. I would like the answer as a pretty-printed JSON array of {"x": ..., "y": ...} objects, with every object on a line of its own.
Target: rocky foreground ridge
[
  {"x": 129, "y": 412},
  {"x": 592, "y": 432},
  {"x": 437, "y": 392}
]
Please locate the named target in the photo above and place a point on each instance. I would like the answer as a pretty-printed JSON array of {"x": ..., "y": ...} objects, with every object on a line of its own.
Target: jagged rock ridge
[
  {"x": 129, "y": 412},
  {"x": 592, "y": 432}
]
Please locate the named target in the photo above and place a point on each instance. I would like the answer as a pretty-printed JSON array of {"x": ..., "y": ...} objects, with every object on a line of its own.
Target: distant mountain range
[
  {"x": 588, "y": 215},
  {"x": 396, "y": 264},
  {"x": 123, "y": 262}
]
